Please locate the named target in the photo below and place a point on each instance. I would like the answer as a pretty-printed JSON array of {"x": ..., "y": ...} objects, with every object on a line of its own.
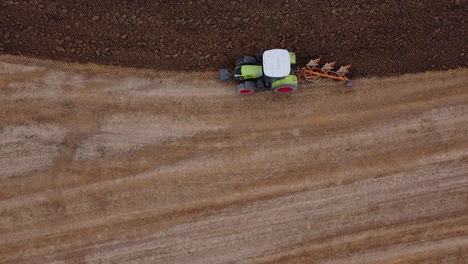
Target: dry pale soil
[{"x": 115, "y": 165}]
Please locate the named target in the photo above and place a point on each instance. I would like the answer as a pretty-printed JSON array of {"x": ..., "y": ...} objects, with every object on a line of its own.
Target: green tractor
[{"x": 271, "y": 71}]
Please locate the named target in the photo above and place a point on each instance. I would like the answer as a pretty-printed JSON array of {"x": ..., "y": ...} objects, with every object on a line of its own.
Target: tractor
[{"x": 273, "y": 71}]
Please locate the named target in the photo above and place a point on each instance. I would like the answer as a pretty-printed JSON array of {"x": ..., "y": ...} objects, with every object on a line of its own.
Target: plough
[{"x": 312, "y": 71}]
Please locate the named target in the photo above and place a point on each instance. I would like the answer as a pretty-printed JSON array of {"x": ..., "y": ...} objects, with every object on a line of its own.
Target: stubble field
[{"x": 133, "y": 166}]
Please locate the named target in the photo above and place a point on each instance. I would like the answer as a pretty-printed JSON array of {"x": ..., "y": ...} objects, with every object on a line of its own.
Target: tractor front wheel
[
  {"x": 285, "y": 89},
  {"x": 245, "y": 88}
]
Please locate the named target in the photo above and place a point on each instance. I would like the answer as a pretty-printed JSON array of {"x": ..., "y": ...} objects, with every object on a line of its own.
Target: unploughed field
[{"x": 118, "y": 165}]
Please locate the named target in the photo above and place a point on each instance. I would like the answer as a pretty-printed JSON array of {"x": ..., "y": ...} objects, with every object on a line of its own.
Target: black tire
[
  {"x": 245, "y": 88},
  {"x": 285, "y": 89},
  {"x": 246, "y": 60}
]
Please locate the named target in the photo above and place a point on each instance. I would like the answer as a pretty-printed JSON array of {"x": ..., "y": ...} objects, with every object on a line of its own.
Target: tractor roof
[{"x": 276, "y": 63}]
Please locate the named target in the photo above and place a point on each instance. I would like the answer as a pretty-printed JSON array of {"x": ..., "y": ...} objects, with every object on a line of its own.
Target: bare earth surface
[
  {"x": 97, "y": 165},
  {"x": 377, "y": 37}
]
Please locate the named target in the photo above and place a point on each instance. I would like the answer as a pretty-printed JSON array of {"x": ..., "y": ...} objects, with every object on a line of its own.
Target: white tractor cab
[
  {"x": 276, "y": 63},
  {"x": 271, "y": 71}
]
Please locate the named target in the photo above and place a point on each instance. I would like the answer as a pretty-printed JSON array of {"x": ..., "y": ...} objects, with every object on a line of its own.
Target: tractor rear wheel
[
  {"x": 249, "y": 60},
  {"x": 245, "y": 88},
  {"x": 285, "y": 89}
]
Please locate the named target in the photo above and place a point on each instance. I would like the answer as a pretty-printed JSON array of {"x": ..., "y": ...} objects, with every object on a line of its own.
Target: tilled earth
[{"x": 378, "y": 37}]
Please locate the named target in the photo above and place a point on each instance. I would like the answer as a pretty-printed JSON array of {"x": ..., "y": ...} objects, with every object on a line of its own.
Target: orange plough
[{"x": 312, "y": 71}]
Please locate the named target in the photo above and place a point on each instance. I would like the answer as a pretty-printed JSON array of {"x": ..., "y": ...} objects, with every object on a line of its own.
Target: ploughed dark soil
[{"x": 377, "y": 37}]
